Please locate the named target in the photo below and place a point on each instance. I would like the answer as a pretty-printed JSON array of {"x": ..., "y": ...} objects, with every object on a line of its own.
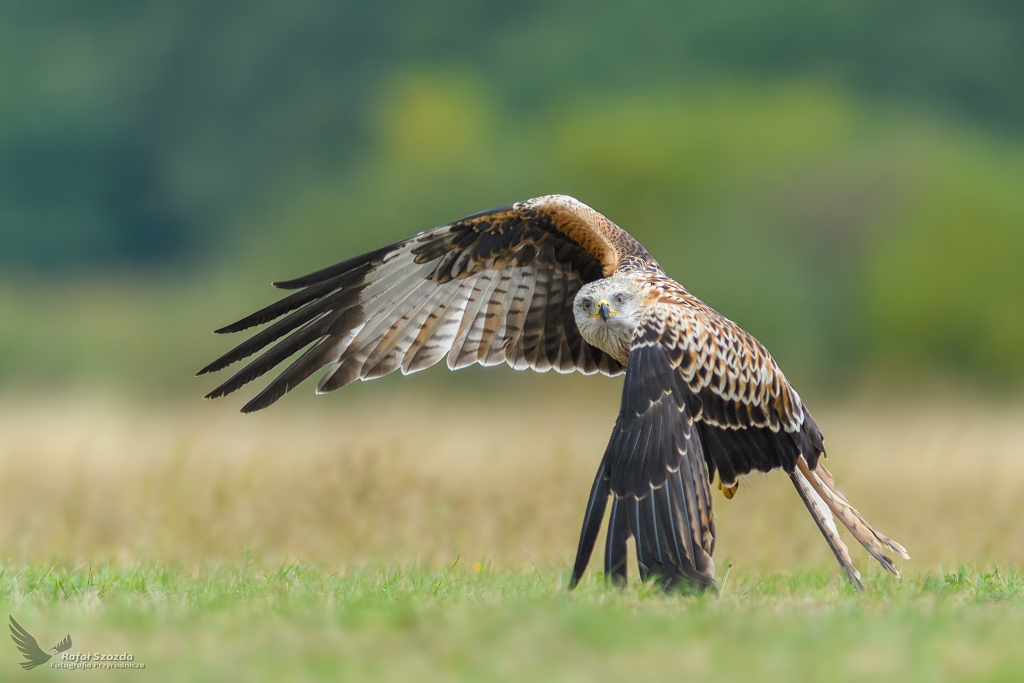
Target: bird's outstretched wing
[
  {"x": 750, "y": 418},
  {"x": 495, "y": 287},
  {"x": 28, "y": 646},
  {"x": 64, "y": 644}
]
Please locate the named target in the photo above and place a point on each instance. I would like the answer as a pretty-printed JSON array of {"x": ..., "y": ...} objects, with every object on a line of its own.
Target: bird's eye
[
  {"x": 620, "y": 299},
  {"x": 586, "y": 303}
]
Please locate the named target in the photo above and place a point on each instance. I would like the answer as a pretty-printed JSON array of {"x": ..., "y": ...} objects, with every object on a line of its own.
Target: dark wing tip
[
  {"x": 207, "y": 370},
  {"x": 591, "y": 523},
  {"x": 260, "y": 317},
  {"x": 261, "y": 401},
  {"x": 330, "y": 272},
  {"x": 217, "y": 365},
  {"x": 239, "y": 380}
]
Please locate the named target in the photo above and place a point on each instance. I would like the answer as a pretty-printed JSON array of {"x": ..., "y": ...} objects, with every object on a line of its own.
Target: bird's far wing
[
  {"x": 64, "y": 644},
  {"x": 494, "y": 287},
  {"x": 27, "y": 645},
  {"x": 655, "y": 471},
  {"x": 751, "y": 419}
]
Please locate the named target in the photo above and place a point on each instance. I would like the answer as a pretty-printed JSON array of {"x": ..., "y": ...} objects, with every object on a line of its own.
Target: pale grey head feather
[{"x": 615, "y": 334}]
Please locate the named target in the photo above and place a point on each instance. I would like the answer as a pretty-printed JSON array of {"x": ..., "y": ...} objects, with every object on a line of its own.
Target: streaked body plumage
[{"x": 535, "y": 285}]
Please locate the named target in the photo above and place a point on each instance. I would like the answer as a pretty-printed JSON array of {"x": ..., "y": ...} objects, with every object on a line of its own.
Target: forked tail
[{"x": 823, "y": 500}]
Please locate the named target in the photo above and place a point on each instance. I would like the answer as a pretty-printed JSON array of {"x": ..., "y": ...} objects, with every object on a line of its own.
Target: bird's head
[{"x": 607, "y": 312}]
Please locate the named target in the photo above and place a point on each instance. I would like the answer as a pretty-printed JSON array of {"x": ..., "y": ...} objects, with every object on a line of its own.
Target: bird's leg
[
  {"x": 821, "y": 480},
  {"x": 728, "y": 491}
]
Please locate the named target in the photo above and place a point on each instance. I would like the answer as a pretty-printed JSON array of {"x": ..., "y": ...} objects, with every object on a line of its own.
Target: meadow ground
[{"x": 415, "y": 537}]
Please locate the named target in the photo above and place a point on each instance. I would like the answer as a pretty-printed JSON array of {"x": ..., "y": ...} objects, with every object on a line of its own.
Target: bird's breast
[{"x": 612, "y": 337}]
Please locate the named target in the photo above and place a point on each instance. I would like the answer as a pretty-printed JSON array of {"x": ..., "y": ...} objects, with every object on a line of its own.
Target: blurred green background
[{"x": 842, "y": 178}]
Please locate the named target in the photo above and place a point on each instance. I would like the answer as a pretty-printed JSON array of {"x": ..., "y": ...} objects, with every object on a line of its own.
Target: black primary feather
[
  {"x": 655, "y": 470},
  {"x": 591, "y": 522}
]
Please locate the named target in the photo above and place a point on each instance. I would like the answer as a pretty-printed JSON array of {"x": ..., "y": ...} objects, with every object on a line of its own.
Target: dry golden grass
[{"x": 407, "y": 476}]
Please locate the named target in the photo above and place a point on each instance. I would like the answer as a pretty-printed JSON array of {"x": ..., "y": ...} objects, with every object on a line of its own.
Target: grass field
[
  {"x": 414, "y": 537},
  {"x": 296, "y": 622}
]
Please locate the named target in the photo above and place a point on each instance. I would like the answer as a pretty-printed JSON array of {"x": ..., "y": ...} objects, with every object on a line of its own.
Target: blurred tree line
[{"x": 842, "y": 178}]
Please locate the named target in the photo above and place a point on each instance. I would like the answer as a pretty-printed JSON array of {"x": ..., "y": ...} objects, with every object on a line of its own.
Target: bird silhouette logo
[{"x": 34, "y": 656}]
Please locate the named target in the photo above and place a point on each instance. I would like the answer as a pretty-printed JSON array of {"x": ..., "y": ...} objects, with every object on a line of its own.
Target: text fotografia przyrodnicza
[{"x": 97, "y": 660}]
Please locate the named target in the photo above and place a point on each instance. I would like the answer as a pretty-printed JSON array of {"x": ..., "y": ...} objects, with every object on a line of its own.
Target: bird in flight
[
  {"x": 551, "y": 284},
  {"x": 34, "y": 656}
]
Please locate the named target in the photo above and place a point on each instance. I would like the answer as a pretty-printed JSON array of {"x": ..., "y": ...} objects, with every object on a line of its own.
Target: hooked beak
[{"x": 605, "y": 310}]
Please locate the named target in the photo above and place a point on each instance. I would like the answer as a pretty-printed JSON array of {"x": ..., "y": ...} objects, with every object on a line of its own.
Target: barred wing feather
[{"x": 495, "y": 287}]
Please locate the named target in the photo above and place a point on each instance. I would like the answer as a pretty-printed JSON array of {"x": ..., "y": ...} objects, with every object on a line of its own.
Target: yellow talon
[{"x": 728, "y": 491}]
